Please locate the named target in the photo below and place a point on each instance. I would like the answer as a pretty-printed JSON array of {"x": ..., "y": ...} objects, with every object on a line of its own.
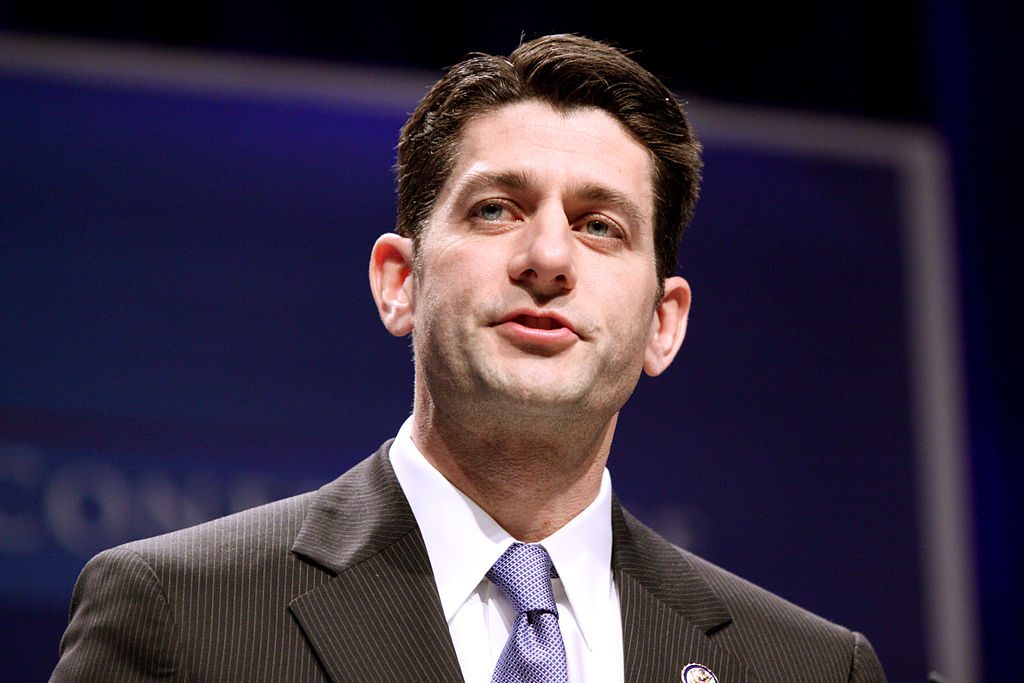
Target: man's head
[
  {"x": 540, "y": 207},
  {"x": 567, "y": 73}
]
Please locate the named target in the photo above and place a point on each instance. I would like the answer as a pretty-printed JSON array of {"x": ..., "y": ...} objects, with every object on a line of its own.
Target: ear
[
  {"x": 668, "y": 326},
  {"x": 392, "y": 283}
]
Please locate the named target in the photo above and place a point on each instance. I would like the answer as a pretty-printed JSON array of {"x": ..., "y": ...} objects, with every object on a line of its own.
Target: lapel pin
[{"x": 697, "y": 673}]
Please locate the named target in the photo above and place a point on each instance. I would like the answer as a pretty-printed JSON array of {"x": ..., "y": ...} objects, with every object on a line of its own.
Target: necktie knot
[
  {"x": 523, "y": 574},
  {"x": 534, "y": 652}
]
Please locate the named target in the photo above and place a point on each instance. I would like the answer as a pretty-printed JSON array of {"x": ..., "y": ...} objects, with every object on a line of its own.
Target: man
[{"x": 541, "y": 199}]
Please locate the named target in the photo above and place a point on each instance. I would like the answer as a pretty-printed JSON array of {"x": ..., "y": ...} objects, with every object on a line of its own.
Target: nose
[{"x": 544, "y": 260}]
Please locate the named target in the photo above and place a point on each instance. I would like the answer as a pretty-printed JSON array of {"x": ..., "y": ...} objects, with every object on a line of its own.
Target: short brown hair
[{"x": 567, "y": 72}]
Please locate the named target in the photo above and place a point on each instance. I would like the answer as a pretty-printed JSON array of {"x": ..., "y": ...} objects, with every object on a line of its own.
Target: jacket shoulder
[
  {"x": 191, "y": 600},
  {"x": 237, "y": 538},
  {"x": 773, "y": 635},
  {"x": 786, "y": 636}
]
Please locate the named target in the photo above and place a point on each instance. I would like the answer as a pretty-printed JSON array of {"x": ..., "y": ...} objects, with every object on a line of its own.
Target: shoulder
[
  {"x": 247, "y": 538},
  {"x": 188, "y": 603},
  {"x": 786, "y": 634},
  {"x": 240, "y": 538},
  {"x": 745, "y": 601},
  {"x": 160, "y": 608},
  {"x": 190, "y": 600},
  {"x": 165, "y": 574},
  {"x": 769, "y": 632},
  {"x": 749, "y": 602}
]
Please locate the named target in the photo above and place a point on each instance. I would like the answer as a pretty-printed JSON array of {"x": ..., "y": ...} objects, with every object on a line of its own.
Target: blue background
[
  {"x": 952, "y": 65},
  {"x": 188, "y": 331}
]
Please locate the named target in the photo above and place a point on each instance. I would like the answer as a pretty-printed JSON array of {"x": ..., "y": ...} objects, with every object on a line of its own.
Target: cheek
[
  {"x": 629, "y": 293},
  {"x": 635, "y": 320},
  {"x": 461, "y": 272},
  {"x": 443, "y": 302}
]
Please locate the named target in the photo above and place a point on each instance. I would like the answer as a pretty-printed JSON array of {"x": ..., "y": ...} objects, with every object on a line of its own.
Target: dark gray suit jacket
[{"x": 336, "y": 585}]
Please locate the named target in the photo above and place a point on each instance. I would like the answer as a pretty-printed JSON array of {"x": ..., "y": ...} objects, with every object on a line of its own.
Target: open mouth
[
  {"x": 537, "y": 322},
  {"x": 538, "y": 331}
]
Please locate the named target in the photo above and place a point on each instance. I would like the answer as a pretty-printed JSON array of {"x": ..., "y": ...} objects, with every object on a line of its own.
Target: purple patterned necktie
[{"x": 534, "y": 652}]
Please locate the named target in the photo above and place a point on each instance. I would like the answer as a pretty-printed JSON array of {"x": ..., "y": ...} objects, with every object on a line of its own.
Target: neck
[{"x": 532, "y": 476}]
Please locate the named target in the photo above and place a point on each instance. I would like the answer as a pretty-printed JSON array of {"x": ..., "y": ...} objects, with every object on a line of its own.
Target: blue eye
[
  {"x": 491, "y": 212},
  {"x": 597, "y": 228}
]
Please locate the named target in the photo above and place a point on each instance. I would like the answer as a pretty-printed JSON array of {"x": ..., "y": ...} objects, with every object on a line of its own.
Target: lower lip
[{"x": 543, "y": 340}]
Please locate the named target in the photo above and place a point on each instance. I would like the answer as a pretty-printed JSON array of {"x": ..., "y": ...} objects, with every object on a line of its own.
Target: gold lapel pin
[{"x": 697, "y": 673}]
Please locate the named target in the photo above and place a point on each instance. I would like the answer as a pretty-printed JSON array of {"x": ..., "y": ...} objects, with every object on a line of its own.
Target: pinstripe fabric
[
  {"x": 678, "y": 609},
  {"x": 231, "y": 601},
  {"x": 336, "y": 585},
  {"x": 207, "y": 599}
]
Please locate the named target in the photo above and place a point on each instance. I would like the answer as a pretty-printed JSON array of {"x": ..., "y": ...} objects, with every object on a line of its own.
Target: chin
[{"x": 549, "y": 396}]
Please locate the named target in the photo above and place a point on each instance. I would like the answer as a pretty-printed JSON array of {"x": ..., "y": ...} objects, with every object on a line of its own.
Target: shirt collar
[{"x": 463, "y": 541}]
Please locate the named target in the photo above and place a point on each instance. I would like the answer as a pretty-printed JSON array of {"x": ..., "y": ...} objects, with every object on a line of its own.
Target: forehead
[{"x": 582, "y": 147}]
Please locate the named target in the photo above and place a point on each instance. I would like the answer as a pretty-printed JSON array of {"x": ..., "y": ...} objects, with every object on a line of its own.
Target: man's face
[{"x": 535, "y": 284}]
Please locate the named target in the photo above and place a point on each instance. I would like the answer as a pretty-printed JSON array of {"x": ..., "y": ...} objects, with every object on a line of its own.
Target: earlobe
[
  {"x": 668, "y": 326},
  {"x": 391, "y": 282}
]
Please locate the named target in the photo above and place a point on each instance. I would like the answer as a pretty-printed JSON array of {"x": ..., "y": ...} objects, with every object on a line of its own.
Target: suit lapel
[
  {"x": 379, "y": 617},
  {"x": 669, "y": 613}
]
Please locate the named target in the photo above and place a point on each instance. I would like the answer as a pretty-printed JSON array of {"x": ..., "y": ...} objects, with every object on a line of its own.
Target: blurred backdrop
[{"x": 188, "y": 196}]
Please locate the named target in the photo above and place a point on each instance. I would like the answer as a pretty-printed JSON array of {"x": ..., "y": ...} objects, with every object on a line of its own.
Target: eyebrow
[
  {"x": 619, "y": 201},
  {"x": 522, "y": 180},
  {"x": 506, "y": 180}
]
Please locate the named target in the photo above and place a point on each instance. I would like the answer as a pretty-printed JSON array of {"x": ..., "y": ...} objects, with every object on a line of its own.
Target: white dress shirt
[{"x": 463, "y": 542}]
